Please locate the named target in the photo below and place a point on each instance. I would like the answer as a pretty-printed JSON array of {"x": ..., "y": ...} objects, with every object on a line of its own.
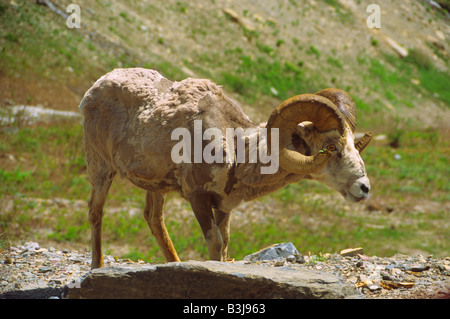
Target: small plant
[
  {"x": 312, "y": 50},
  {"x": 125, "y": 16},
  {"x": 263, "y": 48},
  {"x": 335, "y": 62},
  {"x": 318, "y": 258},
  {"x": 395, "y": 138},
  {"x": 182, "y": 7},
  {"x": 374, "y": 42}
]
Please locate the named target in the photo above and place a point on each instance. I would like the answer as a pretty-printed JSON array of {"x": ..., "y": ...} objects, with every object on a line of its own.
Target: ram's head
[{"x": 316, "y": 134}]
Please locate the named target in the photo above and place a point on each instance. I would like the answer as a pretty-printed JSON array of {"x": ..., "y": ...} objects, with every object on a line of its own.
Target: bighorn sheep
[{"x": 130, "y": 116}]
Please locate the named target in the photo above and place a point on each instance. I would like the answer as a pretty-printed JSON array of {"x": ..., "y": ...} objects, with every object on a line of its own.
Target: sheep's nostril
[{"x": 365, "y": 189}]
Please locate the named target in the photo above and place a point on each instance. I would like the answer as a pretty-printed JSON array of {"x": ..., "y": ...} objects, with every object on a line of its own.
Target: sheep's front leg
[
  {"x": 154, "y": 215},
  {"x": 223, "y": 222},
  {"x": 202, "y": 207}
]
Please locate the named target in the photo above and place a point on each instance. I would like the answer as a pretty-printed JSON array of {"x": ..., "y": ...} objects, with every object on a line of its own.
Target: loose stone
[
  {"x": 44, "y": 269},
  {"x": 300, "y": 259},
  {"x": 291, "y": 258},
  {"x": 350, "y": 252},
  {"x": 386, "y": 276},
  {"x": 374, "y": 287},
  {"x": 419, "y": 268}
]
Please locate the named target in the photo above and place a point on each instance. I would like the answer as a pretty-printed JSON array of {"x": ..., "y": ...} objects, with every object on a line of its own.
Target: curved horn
[
  {"x": 347, "y": 106},
  {"x": 306, "y": 107},
  {"x": 344, "y": 102},
  {"x": 361, "y": 144}
]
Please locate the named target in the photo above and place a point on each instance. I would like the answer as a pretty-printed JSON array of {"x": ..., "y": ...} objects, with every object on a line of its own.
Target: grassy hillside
[{"x": 261, "y": 52}]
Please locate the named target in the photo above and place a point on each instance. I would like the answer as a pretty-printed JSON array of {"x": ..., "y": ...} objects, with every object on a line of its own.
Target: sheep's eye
[{"x": 331, "y": 147}]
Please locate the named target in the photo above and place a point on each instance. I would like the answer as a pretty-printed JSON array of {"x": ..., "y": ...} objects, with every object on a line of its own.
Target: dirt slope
[{"x": 329, "y": 40}]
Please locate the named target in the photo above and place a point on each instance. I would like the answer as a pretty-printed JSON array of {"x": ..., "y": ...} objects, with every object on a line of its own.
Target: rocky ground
[{"x": 30, "y": 266}]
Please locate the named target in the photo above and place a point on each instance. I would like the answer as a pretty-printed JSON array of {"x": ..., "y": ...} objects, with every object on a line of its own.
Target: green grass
[
  {"x": 312, "y": 50},
  {"x": 258, "y": 76},
  {"x": 48, "y": 160},
  {"x": 51, "y": 152},
  {"x": 15, "y": 177},
  {"x": 415, "y": 168},
  {"x": 392, "y": 74},
  {"x": 33, "y": 45},
  {"x": 52, "y": 166}
]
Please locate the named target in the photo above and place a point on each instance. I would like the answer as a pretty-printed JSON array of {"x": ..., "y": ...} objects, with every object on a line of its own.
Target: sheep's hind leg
[
  {"x": 101, "y": 181},
  {"x": 154, "y": 215}
]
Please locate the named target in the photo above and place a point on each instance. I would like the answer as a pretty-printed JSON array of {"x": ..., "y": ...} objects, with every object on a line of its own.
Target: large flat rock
[{"x": 210, "y": 279}]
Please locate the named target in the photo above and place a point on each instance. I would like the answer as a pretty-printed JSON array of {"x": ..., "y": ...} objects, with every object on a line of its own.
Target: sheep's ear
[
  {"x": 300, "y": 138},
  {"x": 361, "y": 144},
  {"x": 304, "y": 129}
]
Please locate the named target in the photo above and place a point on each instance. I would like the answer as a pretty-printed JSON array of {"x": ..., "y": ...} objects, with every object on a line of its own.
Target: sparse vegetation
[
  {"x": 409, "y": 168},
  {"x": 255, "y": 77},
  {"x": 55, "y": 169}
]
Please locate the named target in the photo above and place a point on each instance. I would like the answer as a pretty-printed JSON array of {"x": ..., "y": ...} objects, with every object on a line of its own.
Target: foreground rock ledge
[{"x": 210, "y": 279}]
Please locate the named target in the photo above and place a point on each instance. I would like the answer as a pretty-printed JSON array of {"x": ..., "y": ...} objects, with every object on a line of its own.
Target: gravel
[
  {"x": 396, "y": 277},
  {"x": 30, "y": 267}
]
